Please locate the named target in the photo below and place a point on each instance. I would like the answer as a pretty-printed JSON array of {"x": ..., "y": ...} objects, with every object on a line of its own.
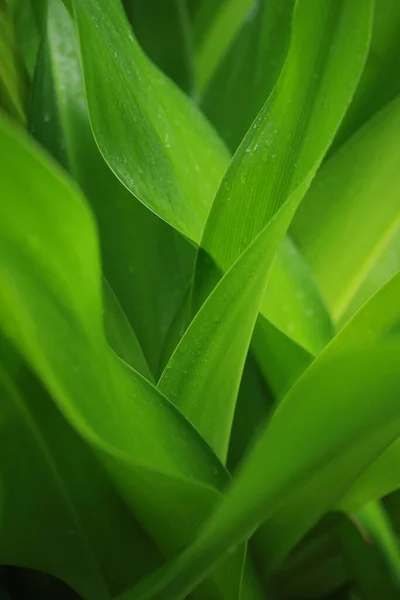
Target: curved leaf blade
[
  {"x": 152, "y": 136},
  {"x": 362, "y": 178}
]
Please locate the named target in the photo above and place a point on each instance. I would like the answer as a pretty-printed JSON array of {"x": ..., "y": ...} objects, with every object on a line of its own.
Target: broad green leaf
[
  {"x": 152, "y": 136},
  {"x": 281, "y": 153},
  {"x": 161, "y": 107},
  {"x": 13, "y": 78},
  {"x": 380, "y": 82},
  {"x": 149, "y": 270},
  {"x": 215, "y": 26},
  {"x": 50, "y": 484},
  {"x": 342, "y": 435},
  {"x": 203, "y": 376},
  {"x": 50, "y": 309},
  {"x": 166, "y": 39},
  {"x": 375, "y": 320},
  {"x": 272, "y": 166},
  {"x": 360, "y": 181},
  {"x": 249, "y": 70},
  {"x": 370, "y": 325}
]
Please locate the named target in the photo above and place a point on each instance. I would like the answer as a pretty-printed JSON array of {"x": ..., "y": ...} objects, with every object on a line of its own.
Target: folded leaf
[
  {"x": 152, "y": 136},
  {"x": 271, "y": 165},
  {"x": 148, "y": 271},
  {"x": 50, "y": 309},
  {"x": 203, "y": 376}
]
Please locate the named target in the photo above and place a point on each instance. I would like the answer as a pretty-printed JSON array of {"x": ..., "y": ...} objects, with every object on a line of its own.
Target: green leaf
[
  {"x": 293, "y": 302},
  {"x": 249, "y": 70},
  {"x": 272, "y": 164},
  {"x": 167, "y": 39},
  {"x": 215, "y": 26},
  {"x": 280, "y": 359},
  {"x": 202, "y": 377},
  {"x": 361, "y": 179},
  {"x": 369, "y": 326},
  {"x": 28, "y": 18},
  {"x": 247, "y": 200},
  {"x": 379, "y": 83},
  {"x": 374, "y": 321},
  {"x": 149, "y": 271},
  {"x": 50, "y": 308},
  {"x": 163, "y": 97},
  {"x": 386, "y": 265},
  {"x": 120, "y": 334},
  {"x": 13, "y": 78},
  {"x": 152, "y": 136},
  {"x": 373, "y": 567},
  {"x": 356, "y": 421},
  {"x": 49, "y": 491}
]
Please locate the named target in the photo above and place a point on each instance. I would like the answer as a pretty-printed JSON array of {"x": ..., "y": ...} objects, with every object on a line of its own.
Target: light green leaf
[
  {"x": 249, "y": 70},
  {"x": 152, "y": 136},
  {"x": 293, "y": 302},
  {"x": 386, "y": 265},
  {"x": 148, "y": 271},
  {"x": 362, "y": 178},
  {"x": 50, "y": 308}
]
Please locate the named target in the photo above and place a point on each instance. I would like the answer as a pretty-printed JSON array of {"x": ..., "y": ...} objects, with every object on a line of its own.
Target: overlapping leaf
[
  {"x": 379, "y": 83},
  {"x": 50, "y": 308},
  {"x": 217, "y": 340},
  {"x": 249, "y": 70},
  {"x": 153, "y": 137},
  {"x": 361, "y": 181},
  {"x": 342, "y": 435},
  {"x": 167, "y": 39},
  {"x": 146, "y": 263},
  {"x": 13, "y": 78},
  {"x": 59, "y": 513}
]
